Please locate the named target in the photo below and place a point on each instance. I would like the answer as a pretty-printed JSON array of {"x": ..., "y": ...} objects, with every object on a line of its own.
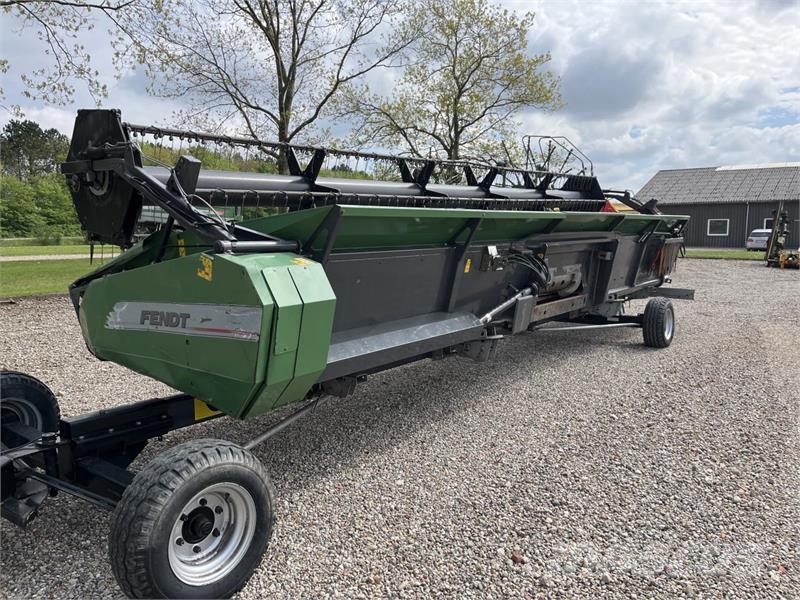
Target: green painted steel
[
  {"x": 248, "y": 333},
  {"x": 303, "y": 322},
  {"x": 370, "y": 227},
  {"x": 238, "y": 371}
]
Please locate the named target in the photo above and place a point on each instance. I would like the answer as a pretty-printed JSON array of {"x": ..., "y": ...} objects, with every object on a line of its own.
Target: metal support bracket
[
  {"x": 471, "y": 226},
  {"x": 330, "y": 224},
  {"x": 663, "y": 292},
  {"x": 283, "y": 423}
]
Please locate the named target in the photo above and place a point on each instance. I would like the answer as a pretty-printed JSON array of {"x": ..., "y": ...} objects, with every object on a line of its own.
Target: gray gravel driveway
[{"x": 575, "y": 465}]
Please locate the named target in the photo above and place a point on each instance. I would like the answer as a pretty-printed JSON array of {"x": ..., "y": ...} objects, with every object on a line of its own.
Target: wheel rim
[
  {"x": 669, "y": 323},
  {"x": 212, "y": 534}
]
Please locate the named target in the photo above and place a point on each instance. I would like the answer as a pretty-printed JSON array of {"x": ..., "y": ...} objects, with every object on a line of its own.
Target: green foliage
[
  {"x": 55, "y": 204},
  {"x": 256, "y": 212},
  {"x": 471, "y": 75},
  {"x": 235, "y": 159},
  {"x": 344, "y": 172},
  {"x": 28, "y": 151},
  {"x": 40, "y": 207},
  {"x": 19, "y": 216}
]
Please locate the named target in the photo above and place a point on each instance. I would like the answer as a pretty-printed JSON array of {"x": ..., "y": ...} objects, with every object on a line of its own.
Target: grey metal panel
[
  {"x": 741, "y": 222},
  {"x": 696, "y": 234},
  {"x": 386, "y": 285},
  {"x": 366, "y": 348}
]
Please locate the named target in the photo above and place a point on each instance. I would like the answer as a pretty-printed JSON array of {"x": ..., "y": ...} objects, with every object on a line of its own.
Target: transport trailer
[{"x": 343, "y": 277}]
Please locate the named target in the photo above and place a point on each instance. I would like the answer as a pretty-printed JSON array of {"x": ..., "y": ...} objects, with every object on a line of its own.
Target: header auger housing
[{"x": 344, "y": 273}]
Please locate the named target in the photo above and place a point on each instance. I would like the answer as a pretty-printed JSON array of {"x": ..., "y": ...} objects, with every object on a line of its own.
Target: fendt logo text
[{"x": 162, "y": 318}]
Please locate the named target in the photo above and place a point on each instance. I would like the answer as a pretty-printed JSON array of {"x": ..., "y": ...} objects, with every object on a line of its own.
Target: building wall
[{"x": 741, "y": 222}]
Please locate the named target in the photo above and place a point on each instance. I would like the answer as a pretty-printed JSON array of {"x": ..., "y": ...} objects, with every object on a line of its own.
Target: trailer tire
[
  {"x": 658, "y": 323},
  {"x": 25, "y": 398},
  {"x": 194, "y": 523}
]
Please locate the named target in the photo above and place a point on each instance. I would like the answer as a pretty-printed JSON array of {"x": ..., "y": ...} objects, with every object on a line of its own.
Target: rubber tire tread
[
  {"x": 149, "y": 493},
  {"x": 653, "y": 323},
  {"x": 46, "y": 403}
]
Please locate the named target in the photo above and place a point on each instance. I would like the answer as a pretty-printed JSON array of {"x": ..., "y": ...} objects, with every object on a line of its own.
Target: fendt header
[{"x": 340, "y": 273}]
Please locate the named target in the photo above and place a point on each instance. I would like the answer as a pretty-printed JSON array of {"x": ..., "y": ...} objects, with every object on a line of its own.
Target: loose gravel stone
[{"x": 518, "y": 455}]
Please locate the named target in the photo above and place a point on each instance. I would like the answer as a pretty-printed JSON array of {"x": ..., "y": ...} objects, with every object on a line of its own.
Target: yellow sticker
[
  {"x": 467, "y": 265},
  {"x": 203, "y": 410},
  {"x": 181, "y": 247},
  {"x": 300, "y": 261},
  {"x": 206, "y": 272}
]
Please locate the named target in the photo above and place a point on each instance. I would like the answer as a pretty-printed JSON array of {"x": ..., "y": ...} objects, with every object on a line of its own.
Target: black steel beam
[{"x": 471, "y": 226}]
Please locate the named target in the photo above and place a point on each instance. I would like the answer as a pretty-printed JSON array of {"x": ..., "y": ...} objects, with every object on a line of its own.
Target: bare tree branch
[
  {"x": 57, "y": 23},
  {"x": 472, "y": 76},
  {"x": 278, "y": 65}
]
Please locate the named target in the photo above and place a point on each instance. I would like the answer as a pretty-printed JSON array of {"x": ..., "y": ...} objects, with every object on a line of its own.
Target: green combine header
[{"x": 340, "y": 278}]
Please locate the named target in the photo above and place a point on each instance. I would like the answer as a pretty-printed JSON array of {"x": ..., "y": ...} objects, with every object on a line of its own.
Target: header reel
[{"x": 110, "y": 181}]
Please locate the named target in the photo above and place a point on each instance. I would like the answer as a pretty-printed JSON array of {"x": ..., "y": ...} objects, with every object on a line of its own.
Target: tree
[
  {"x": 41, "y": 207},
  {"x": 19, "y": 215},
  {"x": 58, "y": 24},
  {"x": 27, "y": 151},
  {"x": 471, "y": 75},
  {"x": 268, "y": 68},
  {"x": 54, "y": 204}
]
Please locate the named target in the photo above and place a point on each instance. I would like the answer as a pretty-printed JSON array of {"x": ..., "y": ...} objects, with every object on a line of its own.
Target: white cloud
[
  {"x": 652, "y": 86},
  {"x": 648, "y": 85}
]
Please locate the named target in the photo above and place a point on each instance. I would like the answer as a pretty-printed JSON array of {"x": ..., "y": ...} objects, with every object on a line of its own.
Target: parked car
[{"x": 758, "y": 238}]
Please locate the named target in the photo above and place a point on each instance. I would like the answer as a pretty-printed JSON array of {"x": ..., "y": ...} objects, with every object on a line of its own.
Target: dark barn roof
[{"x": 724, "y": 185}]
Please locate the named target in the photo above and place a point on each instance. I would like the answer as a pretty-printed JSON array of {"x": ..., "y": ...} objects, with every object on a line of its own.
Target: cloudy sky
[{"x": 647, "y": 85}]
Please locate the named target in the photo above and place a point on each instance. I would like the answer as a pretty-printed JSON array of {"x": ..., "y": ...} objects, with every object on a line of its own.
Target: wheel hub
[
  {"x": 212, "y": 534},
  {"x": 198, "y": 525}
]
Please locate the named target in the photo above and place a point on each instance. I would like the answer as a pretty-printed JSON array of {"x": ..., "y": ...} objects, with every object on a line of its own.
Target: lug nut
[
  {"x": 218, "y": 510},
  {"x": 184, "y": 517},
  {"x": 196, "y": 549},
  {"x": 179, "y": 541},
  {"x": 215, "y": 533},
  {"x": 203, "y": 502}
]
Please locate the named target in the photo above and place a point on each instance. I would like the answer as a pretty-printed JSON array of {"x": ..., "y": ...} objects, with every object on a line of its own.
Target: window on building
[
  {"x": 768, "y": 223},
  {"x": 718, "y": 227}
]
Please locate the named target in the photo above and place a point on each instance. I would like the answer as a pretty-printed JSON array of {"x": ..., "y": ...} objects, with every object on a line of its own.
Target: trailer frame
[{"x": 479, "y": 263}]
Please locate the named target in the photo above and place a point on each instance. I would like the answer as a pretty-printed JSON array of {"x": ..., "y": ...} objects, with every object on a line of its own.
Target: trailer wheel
[
  {"x": 25, "y": 399},
  {"x": 194, "y": 523},
  {"x": 658, "y": 323}
]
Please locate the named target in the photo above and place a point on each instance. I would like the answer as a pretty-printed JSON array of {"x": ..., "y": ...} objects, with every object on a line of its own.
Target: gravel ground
[{"x": 576, "y": 465}]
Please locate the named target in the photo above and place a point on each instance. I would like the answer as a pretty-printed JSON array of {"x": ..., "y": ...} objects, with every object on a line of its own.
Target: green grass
[
  {"x": 724, "y": 253},
  {"x": 48, "y": 250},
  {"x": 35, "y": 277},
  {"x": 64, "y": 241}
]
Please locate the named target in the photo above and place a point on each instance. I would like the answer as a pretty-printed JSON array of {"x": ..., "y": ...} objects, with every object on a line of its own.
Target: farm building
[{"x": 726, "y": 203}]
